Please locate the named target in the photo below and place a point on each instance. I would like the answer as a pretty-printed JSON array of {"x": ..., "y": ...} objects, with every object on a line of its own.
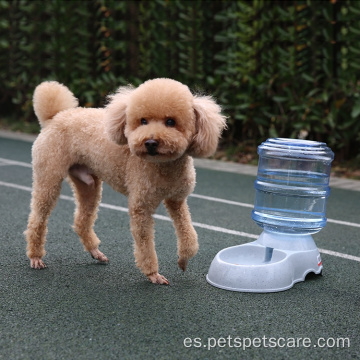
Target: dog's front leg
[
  {"x": 185, "y": 232},
  {"x": 142, "y": 229}
]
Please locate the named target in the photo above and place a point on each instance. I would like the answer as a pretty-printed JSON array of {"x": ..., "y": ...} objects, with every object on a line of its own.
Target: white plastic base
[{"x": 265, "y": 265}]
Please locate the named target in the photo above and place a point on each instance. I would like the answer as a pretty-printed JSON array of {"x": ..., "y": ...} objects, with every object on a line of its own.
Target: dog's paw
[
  {"x": 98, "y": 255},
  {"x": 37, "y": 263},
  {"x": 182, "y": 262},
  {"x": 156, "y": 278}
]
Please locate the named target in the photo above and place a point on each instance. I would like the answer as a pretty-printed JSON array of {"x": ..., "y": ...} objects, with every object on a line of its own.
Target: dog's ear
[
  {"x": 209, "y": 125},
  {"x": 116, "y": 114}
]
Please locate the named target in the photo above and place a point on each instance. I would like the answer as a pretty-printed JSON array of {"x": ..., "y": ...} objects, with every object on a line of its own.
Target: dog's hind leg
[
  {"x": 87, "y": 197},
  {"x": 187, "y": 238},
  {"x": 46, "y": 190}
]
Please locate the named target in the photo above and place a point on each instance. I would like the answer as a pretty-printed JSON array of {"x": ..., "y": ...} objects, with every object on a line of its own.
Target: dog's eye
[
  {"x": 143, "y": 121},
  {"x": 170, "y": 122}
]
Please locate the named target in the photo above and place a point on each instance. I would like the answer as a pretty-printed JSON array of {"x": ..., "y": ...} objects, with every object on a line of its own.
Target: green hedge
[{"x": 279, "y": 68}]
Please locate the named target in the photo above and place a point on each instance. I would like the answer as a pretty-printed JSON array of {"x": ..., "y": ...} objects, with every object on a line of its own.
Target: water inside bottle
[{"x": 292, "y": 187}]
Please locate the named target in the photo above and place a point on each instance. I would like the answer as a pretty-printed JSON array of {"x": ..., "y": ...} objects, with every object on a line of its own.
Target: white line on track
[
  {"x": 13, "y": 162},
  {"x": 341, "y": 255},
  {"x": 347, "y": 223},
  {"x": 196, "y": 224},
  {"x": 16, "y": 186},
  {"x": 4, "y": 161},
  {"x": 229, "y": 202}
]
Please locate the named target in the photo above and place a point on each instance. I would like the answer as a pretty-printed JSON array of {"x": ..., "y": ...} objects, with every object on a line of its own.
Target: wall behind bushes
[{"x": 279, "y": 68}]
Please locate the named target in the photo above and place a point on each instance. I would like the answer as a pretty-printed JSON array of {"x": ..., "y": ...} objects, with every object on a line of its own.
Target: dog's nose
[{"x": 151, "y": 146}]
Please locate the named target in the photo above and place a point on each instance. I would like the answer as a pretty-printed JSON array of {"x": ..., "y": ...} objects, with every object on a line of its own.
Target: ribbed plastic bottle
[{"x": 292, "y": 186}]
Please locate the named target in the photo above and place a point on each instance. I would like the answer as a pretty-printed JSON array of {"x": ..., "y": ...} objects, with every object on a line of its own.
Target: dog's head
[{"x": 161, "y": 120}]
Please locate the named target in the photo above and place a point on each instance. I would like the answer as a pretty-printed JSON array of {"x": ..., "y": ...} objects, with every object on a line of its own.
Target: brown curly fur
[{"x": 87, "y": 146}]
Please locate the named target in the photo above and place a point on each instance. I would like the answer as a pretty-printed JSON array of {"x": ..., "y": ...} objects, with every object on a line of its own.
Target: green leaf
[
  {"x": 355, "y": 112},
  {"x": 280, "y": 98},
  {"x": 312, "y": 92},
  {"x": 273, "y": 132},
  {"x": 354, "y": 30},
  {"x": 307, "y": 77}
]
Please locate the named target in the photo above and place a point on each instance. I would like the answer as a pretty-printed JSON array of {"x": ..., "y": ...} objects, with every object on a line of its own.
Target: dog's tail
[{"x": 49, "y": 98}]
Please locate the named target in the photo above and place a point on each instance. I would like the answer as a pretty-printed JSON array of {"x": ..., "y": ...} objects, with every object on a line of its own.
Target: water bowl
[
  {"x": 253, "y": 267},
  {"x": 292, "y": 187}
]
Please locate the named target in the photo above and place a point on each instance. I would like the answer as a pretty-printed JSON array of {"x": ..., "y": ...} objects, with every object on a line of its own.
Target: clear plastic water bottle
[{"x": 292, "y": 186}]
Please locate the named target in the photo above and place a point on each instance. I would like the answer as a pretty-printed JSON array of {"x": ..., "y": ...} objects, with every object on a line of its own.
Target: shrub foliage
[{"x": 279, "y": 68}]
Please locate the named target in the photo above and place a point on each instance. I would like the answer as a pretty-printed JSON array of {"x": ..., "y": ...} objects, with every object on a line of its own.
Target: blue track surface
[{"x": 77, "y": 309}]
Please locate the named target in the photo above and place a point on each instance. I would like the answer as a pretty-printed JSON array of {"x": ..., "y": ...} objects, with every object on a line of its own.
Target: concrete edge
[
  {"x": 17, "y": 135},
  {"x": 226, "y": 166},
  {"x": 340, "y": 183},
  {"x": 335, "y": 182}
]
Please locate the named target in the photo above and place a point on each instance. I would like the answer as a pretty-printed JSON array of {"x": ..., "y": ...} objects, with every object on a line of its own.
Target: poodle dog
[{"x": 141, "y": 144}]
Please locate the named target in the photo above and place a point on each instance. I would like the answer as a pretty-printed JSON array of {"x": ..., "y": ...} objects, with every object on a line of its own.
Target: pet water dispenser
[{"x": 292, "y": 187}]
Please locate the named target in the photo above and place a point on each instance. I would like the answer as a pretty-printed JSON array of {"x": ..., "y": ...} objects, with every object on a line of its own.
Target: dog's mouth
[
  {"x": 152, "y": 152},
  {"x": 156, "y": 150}
]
